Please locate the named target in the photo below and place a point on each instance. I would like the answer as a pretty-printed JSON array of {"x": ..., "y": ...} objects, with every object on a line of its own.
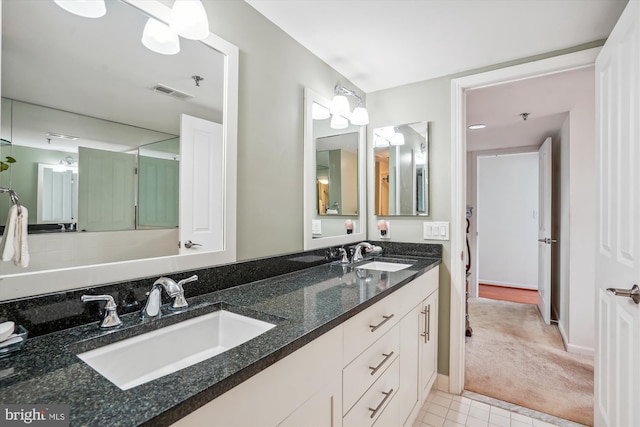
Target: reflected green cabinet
[{"x": 106, "y": 196}]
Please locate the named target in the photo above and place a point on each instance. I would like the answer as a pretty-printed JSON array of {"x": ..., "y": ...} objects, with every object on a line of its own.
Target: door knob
[
  {"x": 633, "y": 293},
  {"x": 189, "y": 244},
  {"x": 547, "y": 240}
]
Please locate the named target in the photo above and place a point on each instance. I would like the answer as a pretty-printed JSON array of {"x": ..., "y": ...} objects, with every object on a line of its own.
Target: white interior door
[
  {"x": 544, "y": 231},
  {"x": 202, "y": 162},
  {"x": 617, "y": 372}
]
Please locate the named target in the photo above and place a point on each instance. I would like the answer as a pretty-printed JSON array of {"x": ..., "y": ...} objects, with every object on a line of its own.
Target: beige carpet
[{"x": 513, "y": 356}]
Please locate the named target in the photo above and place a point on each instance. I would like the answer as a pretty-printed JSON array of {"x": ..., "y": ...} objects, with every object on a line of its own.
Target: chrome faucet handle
[
  {"x": 111, "y": 319},
  {"x": 345, "y": 257},
  {"x": 179, "y": 301}
]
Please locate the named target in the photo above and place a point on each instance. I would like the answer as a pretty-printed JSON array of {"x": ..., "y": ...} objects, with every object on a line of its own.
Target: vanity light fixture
[
  {"x": 339, "y": 122},
  {"x": 386, "y": 136},
  {"x": 159, "y": 38},
  {"x": 189, "y": 19},
  {"x": 477, "y": 126},
  {"x": 398, "y": 138},
  {"x": 319, "y": 112},
  {"x": 84, "y": 8},
  {"x": 340, "y": 109}
]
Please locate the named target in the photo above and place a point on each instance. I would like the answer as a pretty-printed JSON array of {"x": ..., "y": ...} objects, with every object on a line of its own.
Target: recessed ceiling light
[
  {"x": 478, "y": 126},
  {"x": 61, "y": 136}
]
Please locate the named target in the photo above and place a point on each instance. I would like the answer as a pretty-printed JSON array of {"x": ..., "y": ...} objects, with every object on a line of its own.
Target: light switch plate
[{"x": 436, "y": 230}]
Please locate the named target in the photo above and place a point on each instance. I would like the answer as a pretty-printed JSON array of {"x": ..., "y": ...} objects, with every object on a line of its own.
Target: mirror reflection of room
[
  {"x": 337, "y": 174},
  {"x": 87, "y": 138},
  {"x": 402, "y": 169}
]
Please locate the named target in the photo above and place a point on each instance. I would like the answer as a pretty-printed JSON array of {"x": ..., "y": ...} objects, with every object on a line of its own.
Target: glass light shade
[
  {"x": 387, "y": 131},
  {"x": 380, "y": 142},
  {"x": 319, "y": 112},
  {"x": 397, "y": 139},
  {"x": 340, "y": 106},
  {"x": 360, "y": 116},
  {"x": 339, "y": 122},
  {"x": 85, "y": 8},
  {"x": 189, "y": 19},
  {"x": 159, "y": 38}
]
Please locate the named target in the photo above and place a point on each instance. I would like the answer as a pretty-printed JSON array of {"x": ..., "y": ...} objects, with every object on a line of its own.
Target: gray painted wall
[
  {"x": 430, "y": 100},
  {"x": 274, "y": 70}
]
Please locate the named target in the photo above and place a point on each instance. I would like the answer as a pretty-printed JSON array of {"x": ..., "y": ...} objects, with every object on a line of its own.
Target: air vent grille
[{"x": 166, "y": 90}]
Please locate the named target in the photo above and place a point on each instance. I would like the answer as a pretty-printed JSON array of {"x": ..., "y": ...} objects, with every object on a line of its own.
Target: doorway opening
[{"x": 513, "y": 355}]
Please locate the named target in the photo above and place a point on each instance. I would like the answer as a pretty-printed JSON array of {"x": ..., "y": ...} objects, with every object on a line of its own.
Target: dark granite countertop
[{"x": 303, "y": 305}]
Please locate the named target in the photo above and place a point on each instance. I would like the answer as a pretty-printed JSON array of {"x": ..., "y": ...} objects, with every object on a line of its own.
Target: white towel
[{"x": 14, "y": 246}]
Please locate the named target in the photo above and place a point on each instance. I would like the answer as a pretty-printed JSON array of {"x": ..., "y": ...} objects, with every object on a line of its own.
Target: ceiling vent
[{"x": 171, "y": 92}]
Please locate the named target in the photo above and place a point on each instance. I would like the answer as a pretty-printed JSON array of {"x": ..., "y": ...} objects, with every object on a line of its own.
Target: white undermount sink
[
  {"x": 143, "y": 358},
  {"x": 384, "y": 266}
]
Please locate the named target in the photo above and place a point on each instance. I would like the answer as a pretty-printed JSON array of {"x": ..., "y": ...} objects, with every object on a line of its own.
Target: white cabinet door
[
  {"x": 617, "y": 372},
  {"x": 307, "y": 381},
  {"x": 408, "y": 394},
  {"x": 429, "y": 343},
  {"x": 321, "y": 410}
]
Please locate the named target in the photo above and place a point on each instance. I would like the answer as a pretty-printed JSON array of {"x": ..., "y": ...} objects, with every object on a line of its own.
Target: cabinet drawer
[
  {"x": 374, "y": 402},
  {"x": 366, "y": 327},
  {"x": 365, "y": 369}
]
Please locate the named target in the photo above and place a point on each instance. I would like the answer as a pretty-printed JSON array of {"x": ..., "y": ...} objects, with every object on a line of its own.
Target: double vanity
[{"x": 334, "y": 343}]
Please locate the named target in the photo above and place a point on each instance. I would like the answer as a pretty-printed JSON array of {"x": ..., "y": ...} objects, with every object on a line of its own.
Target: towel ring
[{"x": 14, "y": 197}]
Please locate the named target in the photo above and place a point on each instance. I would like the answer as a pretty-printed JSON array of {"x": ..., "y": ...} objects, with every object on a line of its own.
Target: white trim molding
[{"x": 572, "y": 61}]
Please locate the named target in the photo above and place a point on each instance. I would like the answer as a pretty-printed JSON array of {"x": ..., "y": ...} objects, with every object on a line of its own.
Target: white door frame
[{"x": 572, "y": 61}]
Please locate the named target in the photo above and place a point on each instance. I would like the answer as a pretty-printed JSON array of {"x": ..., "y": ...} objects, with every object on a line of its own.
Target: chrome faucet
[
  {"x": 357, "y": 251},
  {"x": 174, "y": 290},
  {"x": 111, "y": 319}
]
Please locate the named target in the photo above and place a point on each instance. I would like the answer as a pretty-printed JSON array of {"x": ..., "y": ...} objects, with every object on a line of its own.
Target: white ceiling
[
  {"x": 547, "y": 99},
  {"x": 380, "y": 44}
]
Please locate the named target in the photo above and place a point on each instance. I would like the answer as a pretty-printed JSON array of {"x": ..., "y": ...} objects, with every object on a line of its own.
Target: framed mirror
[
  {"x": 334, "y": 177},
  {"x": 401, "y": 172},
  {"x": 72, "y": 85}
]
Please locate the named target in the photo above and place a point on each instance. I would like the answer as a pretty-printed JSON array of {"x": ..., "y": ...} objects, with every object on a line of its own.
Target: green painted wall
[{"x": 22, "y": 176}]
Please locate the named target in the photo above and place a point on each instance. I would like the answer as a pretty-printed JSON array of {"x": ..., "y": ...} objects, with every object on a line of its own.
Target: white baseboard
[
  {"x": 572, "y": 348},
  {"x": 577, "y": 349},
  {"x": 442, "y": 383}
]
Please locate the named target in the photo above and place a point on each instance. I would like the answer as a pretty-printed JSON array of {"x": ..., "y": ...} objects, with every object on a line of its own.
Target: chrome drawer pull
[
  {"x": 427, "y": 323},
  {"x": 386, "y": 396},
  {"x": 377, "y": 368},
  {"x": 386, "y": 319}
]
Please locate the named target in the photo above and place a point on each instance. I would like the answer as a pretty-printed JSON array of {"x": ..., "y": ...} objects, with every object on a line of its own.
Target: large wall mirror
[
  {"x": 401, "y": 173},
  {"x": 97, "y": 125},
  {"x": 333, "y": 178}
]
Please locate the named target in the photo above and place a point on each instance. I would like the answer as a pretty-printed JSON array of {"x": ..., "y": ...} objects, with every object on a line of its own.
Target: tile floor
[{"x": 445, "y": 410}]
